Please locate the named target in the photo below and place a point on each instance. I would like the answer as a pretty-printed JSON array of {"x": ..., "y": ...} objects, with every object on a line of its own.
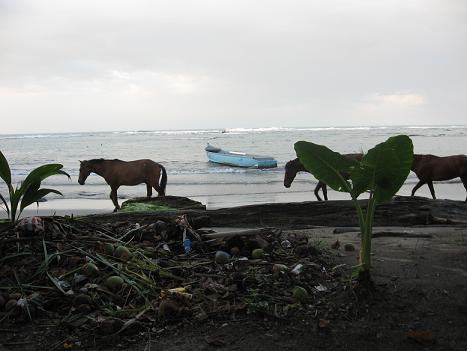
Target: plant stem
[{"x": 365, "y": 251}]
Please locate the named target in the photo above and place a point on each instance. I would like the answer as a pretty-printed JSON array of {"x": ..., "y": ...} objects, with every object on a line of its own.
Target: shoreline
[{"x": 86, "y": 206}]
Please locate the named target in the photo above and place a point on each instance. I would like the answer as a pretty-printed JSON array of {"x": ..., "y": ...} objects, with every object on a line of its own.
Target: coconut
[
  {"x": 300, "y": 294},
  {"x": 114, "y": 283},
  {"x": 122, "y": 253},
  {"x": 221, "y": 257},
  {"x": 108, "y": 249},
  {"x": 90, "y": 270},
  {"x": 257, "y": 254}
]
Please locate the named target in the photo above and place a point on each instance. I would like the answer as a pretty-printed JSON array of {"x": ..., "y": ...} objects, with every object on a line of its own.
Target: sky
[{"x": 87, "y": 65}]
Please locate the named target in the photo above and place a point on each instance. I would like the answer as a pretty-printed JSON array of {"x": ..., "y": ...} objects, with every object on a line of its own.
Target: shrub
[
  {"x": 381, "y": 172},
  {"x": 29, "y": 191}
]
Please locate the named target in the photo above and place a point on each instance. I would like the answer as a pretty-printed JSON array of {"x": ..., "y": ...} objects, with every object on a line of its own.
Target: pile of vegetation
[{"x": 118, "y": 277}]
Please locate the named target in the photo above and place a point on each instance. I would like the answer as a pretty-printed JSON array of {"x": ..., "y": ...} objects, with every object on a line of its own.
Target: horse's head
[
  {"x": 84, "y": 171},
  {"x": 290, "y": 172}
]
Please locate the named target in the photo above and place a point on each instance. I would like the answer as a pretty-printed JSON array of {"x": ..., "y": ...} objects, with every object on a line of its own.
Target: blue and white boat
[{"x": 239, "y": 159}]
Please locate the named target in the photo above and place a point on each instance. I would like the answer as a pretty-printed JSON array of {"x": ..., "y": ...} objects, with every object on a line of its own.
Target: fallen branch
[{"x": 224, "y": 235}]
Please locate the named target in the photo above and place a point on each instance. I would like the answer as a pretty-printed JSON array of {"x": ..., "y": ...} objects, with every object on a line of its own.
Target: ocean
[{"x": 190, "y": 174}]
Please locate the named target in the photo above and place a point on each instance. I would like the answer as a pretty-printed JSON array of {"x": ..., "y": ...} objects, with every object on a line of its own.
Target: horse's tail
[{"x": 163, "y": 183}]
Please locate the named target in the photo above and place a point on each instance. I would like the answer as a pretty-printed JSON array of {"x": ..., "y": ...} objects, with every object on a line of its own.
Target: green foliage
[
  {"x": 381, "y": 172},
  {"x": 145, "y": 207},
  {"x": 29, "y": 191}
]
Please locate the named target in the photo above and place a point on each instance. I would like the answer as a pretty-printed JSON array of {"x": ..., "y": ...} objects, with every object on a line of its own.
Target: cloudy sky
[{"x": 92, "y": 65}]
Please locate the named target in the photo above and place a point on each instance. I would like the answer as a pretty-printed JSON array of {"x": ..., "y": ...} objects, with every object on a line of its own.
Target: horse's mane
[
  {"x": 295, "y": 163},
  {"x": 100, "y": 160}
]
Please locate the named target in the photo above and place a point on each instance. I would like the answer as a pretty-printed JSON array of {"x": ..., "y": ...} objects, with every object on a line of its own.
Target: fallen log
[{"x": 230, "y": 234}]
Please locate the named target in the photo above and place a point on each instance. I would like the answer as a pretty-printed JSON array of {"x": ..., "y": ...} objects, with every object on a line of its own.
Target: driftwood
[
  {"x": 231, "y": 234},
  {"x": 401, "y": 211}
]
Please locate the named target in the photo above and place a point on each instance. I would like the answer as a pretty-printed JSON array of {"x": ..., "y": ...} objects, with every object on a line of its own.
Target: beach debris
[
  {"x": 169, "y": 308},
  {"x": 286, "y": 244},
  {"x": 297, "y": 269},
  {"x": 122, "y": 253},
  {"x": 90, "y": 270},
  {"x": 30, "y": 225},
  {"x": 278, "y": 269},
  {"x": 120, "y": 275},
  {"x": 114, "y": 283},
  {"x": 300, "y": 294},
  {"x": 320, "y": 288},
  {"x": 257, "y": 254},
  {"x": 221, "y": 257}
]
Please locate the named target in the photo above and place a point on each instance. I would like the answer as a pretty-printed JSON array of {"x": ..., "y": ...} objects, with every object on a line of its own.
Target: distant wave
[
  {"x": 436, "y": 127},
  {"x": 167, "y": 132},
  {"x": 290, "y": 129},
  {"x": 42, "y": 136},
  {"x": 238, "y": 130}
]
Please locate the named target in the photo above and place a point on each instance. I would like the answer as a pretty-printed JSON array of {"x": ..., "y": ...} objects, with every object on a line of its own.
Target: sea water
[{"x": 190, "y": 174}]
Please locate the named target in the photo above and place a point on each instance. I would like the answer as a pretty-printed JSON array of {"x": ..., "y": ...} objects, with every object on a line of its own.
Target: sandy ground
[{"x": 421, "y": 274}]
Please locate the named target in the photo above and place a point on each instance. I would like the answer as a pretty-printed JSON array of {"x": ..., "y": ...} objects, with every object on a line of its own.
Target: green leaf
[
  {"x": 325, "y": 164},
  {"x": 39, "y": 174},
  {"x": 32, "y": 196},
  {"x": 5, "y": 172},
  {"x": 384, "y": 168}
]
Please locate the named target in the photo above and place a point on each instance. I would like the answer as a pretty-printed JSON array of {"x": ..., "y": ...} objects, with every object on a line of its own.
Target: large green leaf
[
  {"x": 5, "y": 173},
  {"x": 384, "y": 168},
  {"x": 325, "y": 164},
  {"x": 41, "y": 173},
  {"x": 30, "y": 198}
]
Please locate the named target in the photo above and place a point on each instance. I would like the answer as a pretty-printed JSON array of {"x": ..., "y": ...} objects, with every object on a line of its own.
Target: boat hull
[{"x": 239, "y": 160}]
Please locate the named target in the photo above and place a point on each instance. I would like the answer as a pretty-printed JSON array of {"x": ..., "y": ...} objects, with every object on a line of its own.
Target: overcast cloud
[{"x": 92, "y": 65}]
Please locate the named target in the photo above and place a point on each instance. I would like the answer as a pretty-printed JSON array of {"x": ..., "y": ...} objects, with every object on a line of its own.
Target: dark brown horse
[
  {"x": 429, "y": 168},
  {"x": 117, "y": 173},
  {"x": 294, "y": 166}
]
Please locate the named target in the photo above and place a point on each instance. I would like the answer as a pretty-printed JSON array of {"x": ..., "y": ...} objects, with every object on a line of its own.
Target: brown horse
[
  {"x": 294, "y": 166},
  {"x": 117, "y": 173},
  {"x": 429, "y": 168}
]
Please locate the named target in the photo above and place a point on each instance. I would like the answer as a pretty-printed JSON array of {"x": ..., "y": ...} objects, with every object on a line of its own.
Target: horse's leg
[
  {"x": 149, "y": 189},
  {"x": 416, "y": 187},
  {"x": 113, "y": 197},
  {"x": 325, "y": 192},
  {"x": 432, "y": 189},
  {"x": 155, "y": 184},
  {"x": 318, "y": 186},
  {"x": 157, "y": 188}
]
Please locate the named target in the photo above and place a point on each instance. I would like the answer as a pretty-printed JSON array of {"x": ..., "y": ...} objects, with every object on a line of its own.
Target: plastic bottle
[{"x": 186, "y": 242}]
